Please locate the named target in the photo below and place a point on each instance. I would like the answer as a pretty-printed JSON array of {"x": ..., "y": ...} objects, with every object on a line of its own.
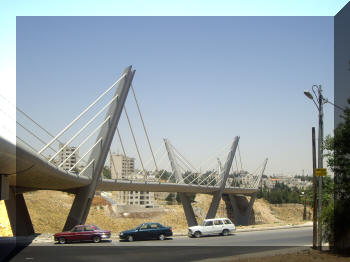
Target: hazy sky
[{"x": 200, "y": 81}]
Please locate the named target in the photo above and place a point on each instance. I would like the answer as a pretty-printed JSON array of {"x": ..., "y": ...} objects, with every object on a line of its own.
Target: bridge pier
[
  {"x": 239, "y": 209},
  {"x": 83, "y": 198},
  {"x": 189, "y": 213},
  {"x": 18, "y": 214},
  {"x": 4, "y": 187},
  {"x": 185, "y": 200},
  {"x": 217, "y": 195}
]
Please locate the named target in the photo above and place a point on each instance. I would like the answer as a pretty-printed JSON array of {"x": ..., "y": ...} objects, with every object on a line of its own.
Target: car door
[
  {"x": 229, "y": 225},
  {"x": 77, "y": 233},
  {"x": 218, "y": 226},
  {"x": 208, "y": 228},
  {"x": 144, "y": 231},
  {"x": 88, "y": 233},
  {"x": 154, "y": 230}
]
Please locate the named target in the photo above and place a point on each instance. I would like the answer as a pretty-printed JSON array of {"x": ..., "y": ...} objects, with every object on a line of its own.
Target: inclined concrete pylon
[
  {"x": 241, "y": 208},
  {"x": 217, "y": 195},
  {"x": 185, "y": 200},
  {"x": 84, "y": 195}
]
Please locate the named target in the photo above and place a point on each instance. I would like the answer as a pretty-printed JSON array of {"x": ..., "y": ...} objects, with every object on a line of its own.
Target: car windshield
[
  {"x": 139, "y": 226},
  {"x": 97, "y": 228},
  {"x": 77, "y": 229}
]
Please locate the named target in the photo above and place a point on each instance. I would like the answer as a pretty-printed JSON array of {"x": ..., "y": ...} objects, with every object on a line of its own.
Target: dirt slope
[{"x": 49, "y": 210}]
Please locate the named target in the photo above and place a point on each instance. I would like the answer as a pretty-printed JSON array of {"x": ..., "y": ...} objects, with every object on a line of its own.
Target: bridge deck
[{"x": 28, "y": 171}]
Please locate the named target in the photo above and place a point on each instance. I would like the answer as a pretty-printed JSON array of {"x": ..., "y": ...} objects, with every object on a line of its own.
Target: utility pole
[
  {"x": 320, "y": 163},
  {"x": 319, "y": 104},
  {"x": 314, "y": 185}
]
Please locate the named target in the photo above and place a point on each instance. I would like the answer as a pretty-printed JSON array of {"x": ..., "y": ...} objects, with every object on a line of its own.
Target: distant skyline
[{"x": 200, "y": 80}]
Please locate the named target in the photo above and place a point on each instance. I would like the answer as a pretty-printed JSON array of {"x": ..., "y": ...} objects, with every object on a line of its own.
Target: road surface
[{"x": 173, "y": 249}]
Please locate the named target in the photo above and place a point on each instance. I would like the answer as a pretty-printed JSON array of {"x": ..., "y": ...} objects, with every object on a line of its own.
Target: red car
[{"x": 83, "y": 233}]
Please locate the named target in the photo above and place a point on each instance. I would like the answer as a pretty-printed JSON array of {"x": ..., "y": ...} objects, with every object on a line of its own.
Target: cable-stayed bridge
[{"x": 39, "y": 161}]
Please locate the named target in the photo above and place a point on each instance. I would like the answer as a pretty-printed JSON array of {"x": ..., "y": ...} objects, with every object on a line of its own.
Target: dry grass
[
  {"x": 291, "y": 213},
  {"x": 303, "y": 256},
  {"x": 5, "y": 227},
  {"x": 49, "y": 210}
]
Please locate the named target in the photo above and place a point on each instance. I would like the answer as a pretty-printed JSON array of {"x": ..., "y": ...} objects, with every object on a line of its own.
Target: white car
[{"x": 215, "y": 226}]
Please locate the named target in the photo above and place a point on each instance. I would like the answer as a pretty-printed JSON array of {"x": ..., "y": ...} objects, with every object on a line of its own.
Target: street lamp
[
  {"x": 320, "y": 102},
  {"x": 319, "y": 106},
  {"x": 308, "y": 94}
]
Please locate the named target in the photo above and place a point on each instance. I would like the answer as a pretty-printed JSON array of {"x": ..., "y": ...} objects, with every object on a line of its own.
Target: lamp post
[{"x": 319, "y": 106}]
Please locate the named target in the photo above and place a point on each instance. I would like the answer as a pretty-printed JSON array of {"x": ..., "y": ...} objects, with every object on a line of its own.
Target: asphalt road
[{"x": 173, "y": 249}]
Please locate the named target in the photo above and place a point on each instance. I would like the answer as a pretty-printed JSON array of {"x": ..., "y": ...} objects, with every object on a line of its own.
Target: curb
[
  {"x": 260, "y": 229},
  {"x": 274, "y": 228},
  {"x": 48, "y": 238}
]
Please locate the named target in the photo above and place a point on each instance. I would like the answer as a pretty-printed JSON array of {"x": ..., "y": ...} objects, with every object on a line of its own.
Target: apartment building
[
  {"x": 68, "y": 155},
  {"x": 123, "y": 167}
]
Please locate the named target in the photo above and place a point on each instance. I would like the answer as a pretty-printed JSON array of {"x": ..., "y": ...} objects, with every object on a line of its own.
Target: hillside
[{"x": 49, "y": 210}]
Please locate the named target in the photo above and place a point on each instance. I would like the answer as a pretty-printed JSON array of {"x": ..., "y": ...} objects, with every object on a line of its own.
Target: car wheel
[
  {"x": 96, "y": 239},
  {"x": 161, "y": 237},
  {"x": 225, "y": 232},
  {"x": 62, "y": 240},
  {"x": 130, "y": 238},
  {"x": 197, "y": 234}
]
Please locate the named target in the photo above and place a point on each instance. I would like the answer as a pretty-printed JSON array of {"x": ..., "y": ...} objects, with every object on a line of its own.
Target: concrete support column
[
  {"x": 185, "y": 200},
  {"x": 18, "y": 214},
  {"x": 239, "y": 209},
  {"x": 4, "y": 187},
  {"x": 189, "y": 213},
  {"x": 84, "y": 196},
  {"x": 217, "y": 195}
]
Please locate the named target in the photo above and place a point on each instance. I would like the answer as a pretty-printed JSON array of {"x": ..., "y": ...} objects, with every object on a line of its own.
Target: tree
[
  {"x": 165, "y": 175},
  {"x": 106, "y": 172},
  {"x": 337, "y": 153}
]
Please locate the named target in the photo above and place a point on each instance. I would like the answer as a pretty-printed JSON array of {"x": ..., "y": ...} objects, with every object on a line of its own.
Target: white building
[
  {"x": 67, "y": 152},
  {"x": 123, "y": 167}
]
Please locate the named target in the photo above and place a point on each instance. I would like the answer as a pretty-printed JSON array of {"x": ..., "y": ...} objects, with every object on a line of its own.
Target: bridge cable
[
  {"x": 189, "y": 168},
  {"x": 215, "y": 155},
  {"x": 144, "y": 127},
  {"x": 236, "y": 165},
  {"x": 121, "y": 142},
  {"x": 115, "y": 171},
  {"x": 36, "y": 123},
  {"x": 181, "y": 156},
  {"x": 240, "y": 158},
  {"x": 133, "y": 136},
  {"x": 24, "y": 142},
  {"x": 85, "y": 126},
  {"x": 149, "y": 160},
  {"x": 81, "y": 114},
  {"x": 35, "y": 136},
  {"x": 31, "y": 119}
]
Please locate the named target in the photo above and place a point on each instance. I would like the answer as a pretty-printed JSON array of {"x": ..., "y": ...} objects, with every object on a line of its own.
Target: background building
[
  {"x": 66, "y": 152},
  {"x": 123, "y": 167}
]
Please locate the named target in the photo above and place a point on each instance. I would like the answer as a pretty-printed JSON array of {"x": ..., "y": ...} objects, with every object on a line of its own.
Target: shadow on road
[{"x": 11, "y": 246}]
